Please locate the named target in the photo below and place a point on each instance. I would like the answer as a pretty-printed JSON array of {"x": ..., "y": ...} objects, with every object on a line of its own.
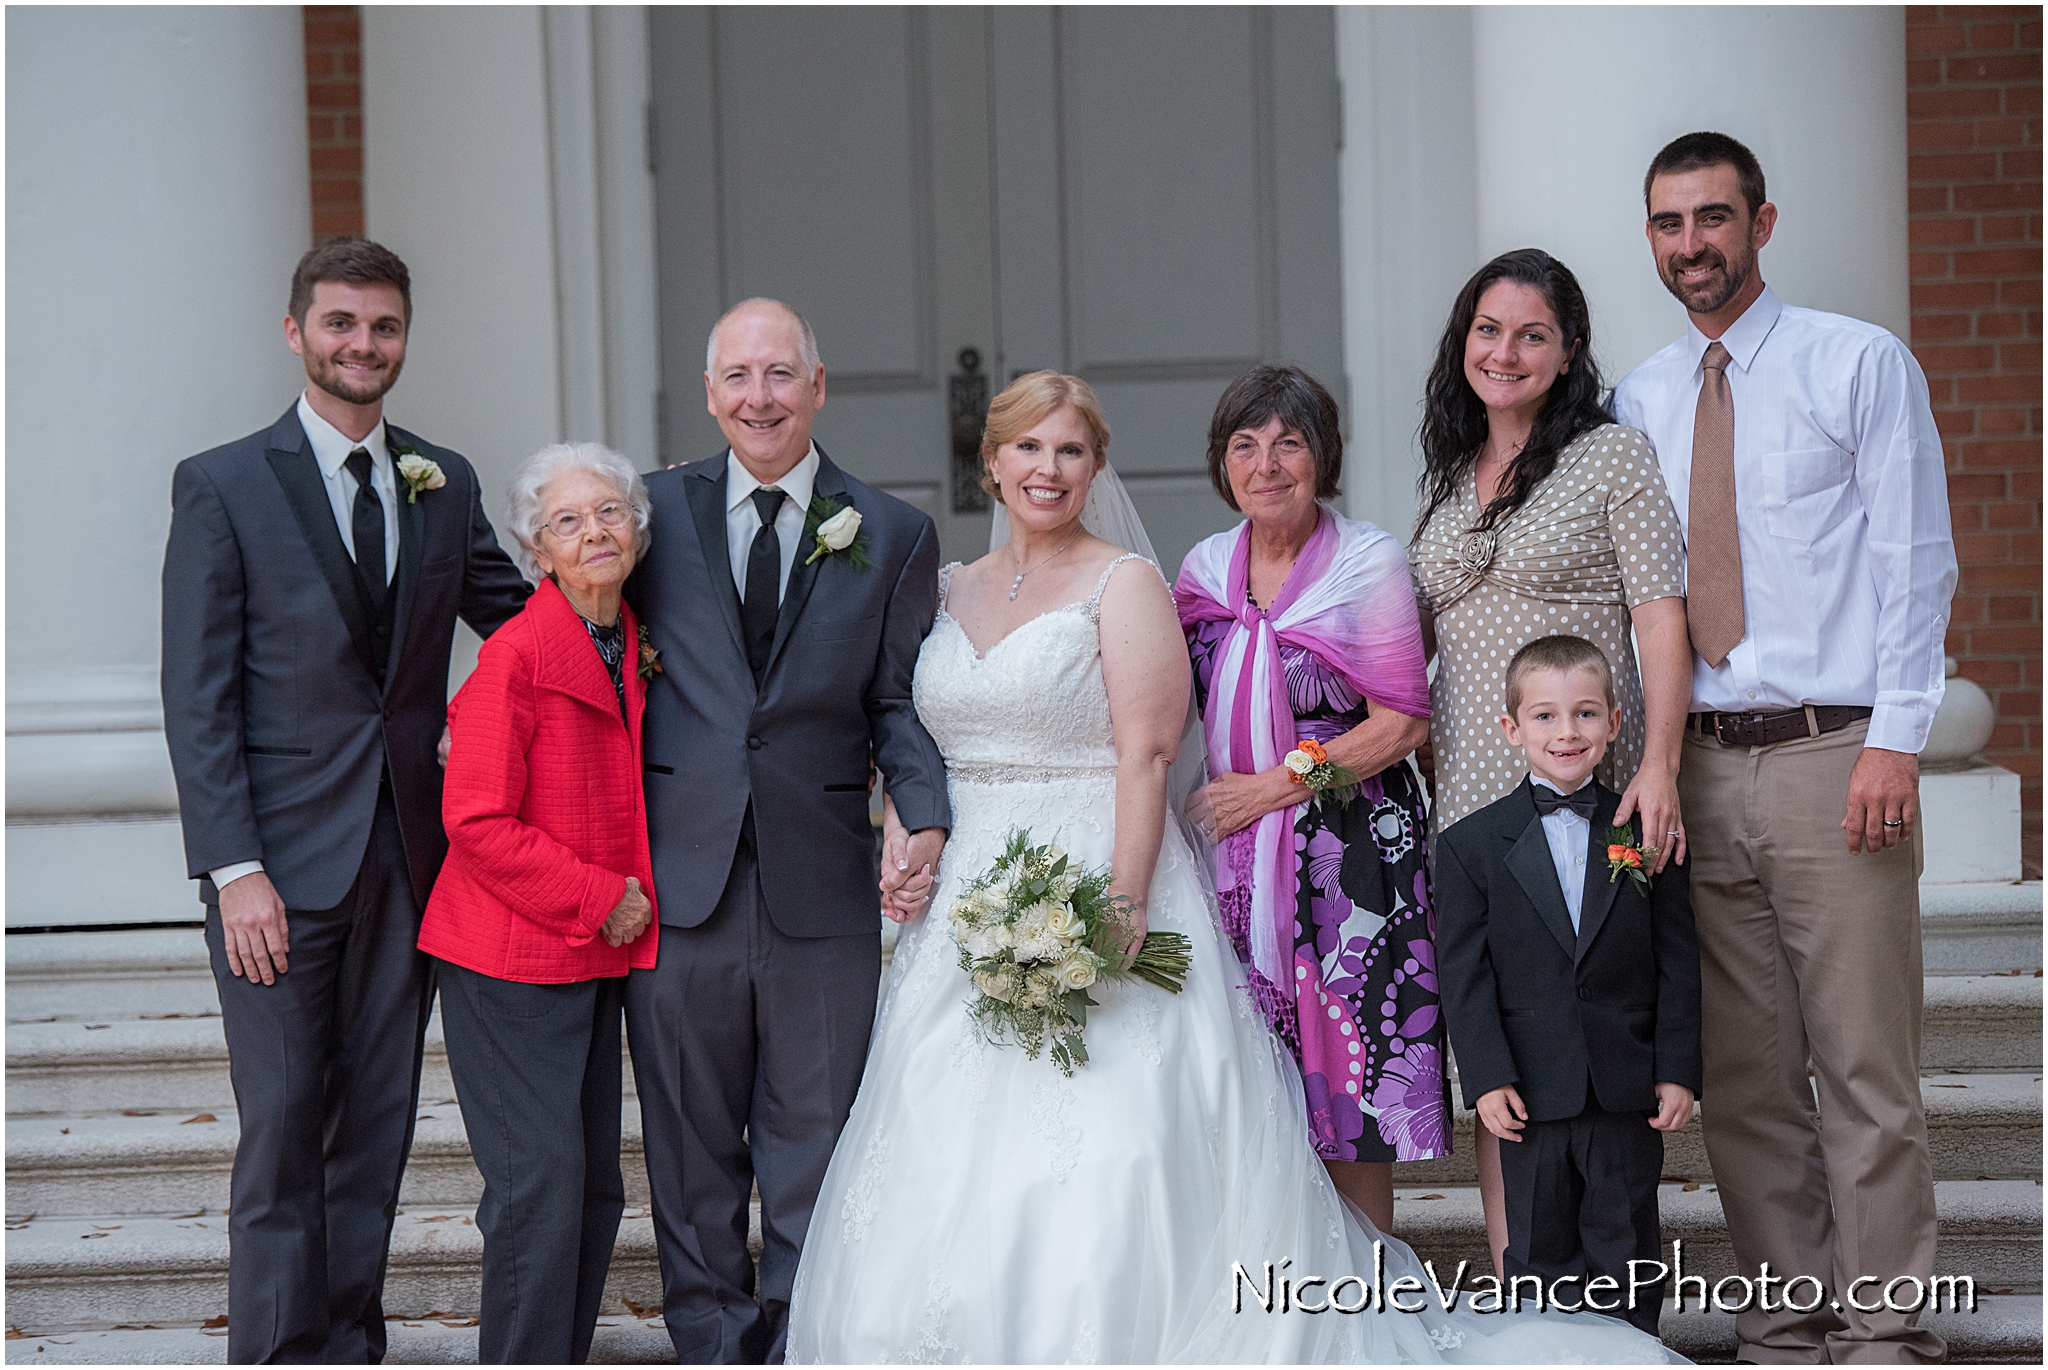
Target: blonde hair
[
  {"x": 1559, "y": 652},
  {"x": 1029, "y": 399}
]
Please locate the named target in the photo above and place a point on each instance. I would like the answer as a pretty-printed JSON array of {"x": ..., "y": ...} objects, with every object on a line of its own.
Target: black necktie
[
  {"x": 367, "y": 524},
  {"x": 1549, "y": 801},
  {"x": 764, "y": 581}
]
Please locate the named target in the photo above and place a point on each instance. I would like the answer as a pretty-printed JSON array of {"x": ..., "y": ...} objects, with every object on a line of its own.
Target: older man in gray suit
[
  {"x": 312, "y": 580},
  {"x": 787, "y": 655}
]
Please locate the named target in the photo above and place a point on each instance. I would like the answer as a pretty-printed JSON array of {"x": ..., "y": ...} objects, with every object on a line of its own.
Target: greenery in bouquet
[{"x": 1035, "y": 931}]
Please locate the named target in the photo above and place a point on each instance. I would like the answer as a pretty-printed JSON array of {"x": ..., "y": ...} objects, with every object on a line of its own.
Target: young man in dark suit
[
  {"x": 312, "y": 580},
  {"x": 1571, "y": 986}
]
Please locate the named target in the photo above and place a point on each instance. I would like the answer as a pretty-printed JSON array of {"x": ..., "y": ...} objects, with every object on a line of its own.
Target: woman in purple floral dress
[{"x": 1301, "y": 624}]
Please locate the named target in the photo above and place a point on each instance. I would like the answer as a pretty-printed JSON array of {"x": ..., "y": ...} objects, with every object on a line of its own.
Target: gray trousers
[
  {"x": 747, "y": 1050},
  {"x": 538, "y": 1074},
  {"x": 326, "y": 1070}
]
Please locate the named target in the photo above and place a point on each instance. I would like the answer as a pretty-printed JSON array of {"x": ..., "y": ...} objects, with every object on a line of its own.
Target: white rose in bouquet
[
  {"x": 1064, "y": 924},
  {"x": 1077, "y": 971},
  {"x": 1000, "y": 983}
]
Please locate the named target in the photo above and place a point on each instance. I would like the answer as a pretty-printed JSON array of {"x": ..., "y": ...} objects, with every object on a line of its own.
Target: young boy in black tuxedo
[{"x": 1571, "y": 987}]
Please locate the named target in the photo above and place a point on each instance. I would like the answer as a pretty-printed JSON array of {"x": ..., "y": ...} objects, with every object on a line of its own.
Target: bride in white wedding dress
[{"x": 982, "y": 1207}]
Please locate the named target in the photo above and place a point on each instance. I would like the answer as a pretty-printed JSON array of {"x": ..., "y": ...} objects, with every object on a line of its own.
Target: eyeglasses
[{"x": 568, "y": 523}]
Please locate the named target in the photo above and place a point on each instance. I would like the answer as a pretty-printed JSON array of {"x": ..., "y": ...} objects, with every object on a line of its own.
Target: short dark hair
[
  {"x": 344, "y": 257},
  {"x": 1557, "y": 653},
  {"x": 1696, "y": 151},
  {"x": 1454, "y": 422},
  {"x": 1299, "y": 401}
]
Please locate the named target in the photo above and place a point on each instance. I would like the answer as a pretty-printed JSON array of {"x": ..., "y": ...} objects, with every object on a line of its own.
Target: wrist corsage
[
  {"x": 1624, "y": 857},
  {"x": 1309, "y": 766}
]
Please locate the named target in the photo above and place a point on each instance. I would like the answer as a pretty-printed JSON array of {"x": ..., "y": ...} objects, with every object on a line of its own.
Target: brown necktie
[{"x": 1713, "y": 552}]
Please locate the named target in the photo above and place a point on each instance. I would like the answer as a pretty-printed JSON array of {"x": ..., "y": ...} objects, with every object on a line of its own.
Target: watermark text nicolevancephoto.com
[{"x": 1273, "y": 1289}]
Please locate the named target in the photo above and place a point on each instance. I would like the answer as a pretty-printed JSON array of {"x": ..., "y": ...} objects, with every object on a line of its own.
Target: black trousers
[
  {"x": 1581, "y": 1198},
  {"x": 747, "y": 1050},
  {"x": 326, "y": 1071},
  {"x": 538, "y": 1075}
]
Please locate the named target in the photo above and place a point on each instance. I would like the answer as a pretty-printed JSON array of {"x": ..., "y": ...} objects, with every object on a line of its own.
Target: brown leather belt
[{"x": 1777, "y": 725}]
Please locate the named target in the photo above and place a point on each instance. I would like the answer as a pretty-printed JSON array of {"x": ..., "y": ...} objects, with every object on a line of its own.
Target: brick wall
[
  {"x": 334, "y": 115},
  {"x": 1973, "y": 137}
]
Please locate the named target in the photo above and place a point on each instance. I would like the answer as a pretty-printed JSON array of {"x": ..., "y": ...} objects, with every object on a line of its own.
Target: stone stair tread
[
  {"x": 620, "y": 1340},
  {"x": 2005, "y": 1330},
  {"x": 107, "y": 955}
]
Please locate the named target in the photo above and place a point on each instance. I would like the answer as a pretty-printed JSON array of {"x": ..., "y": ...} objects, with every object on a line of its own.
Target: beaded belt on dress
[{"x": 1000, "y": 773}]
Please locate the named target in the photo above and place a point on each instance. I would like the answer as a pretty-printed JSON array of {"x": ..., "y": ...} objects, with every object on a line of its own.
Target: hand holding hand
[
  {"x": 1501, "y": 1112},
  {"x": 1655, "y": 792},
  {"x": 629, "y": 917},
  {"x": 441, "y": 748},
  {"x": 1674, "y": 1107},
  {"x": 253, "y": 925},
  {"x": 1884, "y": 800}
]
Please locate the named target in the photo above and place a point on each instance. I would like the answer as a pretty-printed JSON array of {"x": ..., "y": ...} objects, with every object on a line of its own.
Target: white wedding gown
[{"x": 981, "y": 1207}]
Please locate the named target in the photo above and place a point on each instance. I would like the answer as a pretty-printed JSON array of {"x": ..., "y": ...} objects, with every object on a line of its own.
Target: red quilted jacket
[{"x": 543, "y": 806}]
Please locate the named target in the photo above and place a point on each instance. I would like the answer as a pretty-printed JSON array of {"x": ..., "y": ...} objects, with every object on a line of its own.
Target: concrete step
[
  {"x": 1990, "y": 1229},
  {"x": 64, "y": 1273},
  {"x": 178, "y": 1163},
  {"x": 2005, "y": 1330},
  {"x": 620, "y": 1340},
  {"x": 85, "y": 1066},
  {"x": 1980, "y": 929},
  {"x": 1980, "y": 1126},
  {"x": 102, "y": 975},
  {"x": 1981, "y": 1023}
]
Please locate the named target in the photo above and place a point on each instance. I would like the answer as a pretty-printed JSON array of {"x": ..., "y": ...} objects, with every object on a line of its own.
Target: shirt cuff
[
  {"x": 1900, "y": 727},
  {"x": 223, "y": 876}
]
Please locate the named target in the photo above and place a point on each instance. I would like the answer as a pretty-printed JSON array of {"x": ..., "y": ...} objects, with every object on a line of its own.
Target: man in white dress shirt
[
  {"x": 1801, "y": 454},
  {"x": 310, "y": 594}
]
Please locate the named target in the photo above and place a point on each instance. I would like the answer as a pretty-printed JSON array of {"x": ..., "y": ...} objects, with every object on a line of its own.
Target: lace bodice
[{"x": 1036, "y": 699}]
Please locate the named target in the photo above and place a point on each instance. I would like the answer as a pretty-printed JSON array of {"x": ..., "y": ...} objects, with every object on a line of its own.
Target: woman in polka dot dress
[{"x": 1542, "y": 515}]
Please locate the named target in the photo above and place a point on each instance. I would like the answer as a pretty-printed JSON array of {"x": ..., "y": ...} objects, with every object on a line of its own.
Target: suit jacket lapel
[
  {"x": 706, "y": 490},
  {"x": 1598, "y": 899},
  {"x": 1530, "y": 863},
  {"x": 291, "y": 459},
  {"x": 412, "y": 533},
  {"x": 804, "y": 574}
]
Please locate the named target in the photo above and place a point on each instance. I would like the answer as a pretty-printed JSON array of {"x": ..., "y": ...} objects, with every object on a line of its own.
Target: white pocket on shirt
[{"x": 1808, "y": 491}]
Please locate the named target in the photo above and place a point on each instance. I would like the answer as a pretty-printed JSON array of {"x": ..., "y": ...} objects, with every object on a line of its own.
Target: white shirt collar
[
  {"x": 331, "y": 446},
  {"x": 1743, "y": 337},
  {"x": 740, "y": 482},
  {"x": 1550, "y": 785}
]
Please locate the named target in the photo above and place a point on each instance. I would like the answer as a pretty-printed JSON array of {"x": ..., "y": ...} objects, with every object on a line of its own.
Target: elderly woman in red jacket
[{"x": 542, "y": 905}]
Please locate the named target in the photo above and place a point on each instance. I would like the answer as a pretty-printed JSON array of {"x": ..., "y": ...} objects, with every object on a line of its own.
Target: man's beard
[
  {"x": 1708, "y": 296},
  {"x": 331, "y": 378}
]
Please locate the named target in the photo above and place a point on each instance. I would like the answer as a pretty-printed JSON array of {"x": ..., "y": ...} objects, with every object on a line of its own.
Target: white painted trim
[
  {"x": 568, "y": 52},
  {"x": 625, "y": 190}
]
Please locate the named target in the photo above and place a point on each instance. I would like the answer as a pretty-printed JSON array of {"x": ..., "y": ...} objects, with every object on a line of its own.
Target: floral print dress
[{"x": 1365, "y": 989}]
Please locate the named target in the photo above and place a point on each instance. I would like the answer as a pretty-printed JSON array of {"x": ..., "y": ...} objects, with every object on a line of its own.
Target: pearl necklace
[{"x": 1018, "y": 583}]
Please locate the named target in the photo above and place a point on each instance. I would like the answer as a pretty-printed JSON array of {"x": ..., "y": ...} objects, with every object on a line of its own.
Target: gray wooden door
[{"x": 1145, "y": 197}]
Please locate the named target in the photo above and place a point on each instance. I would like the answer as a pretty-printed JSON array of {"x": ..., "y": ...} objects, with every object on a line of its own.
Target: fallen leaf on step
[
  {"x": 63, "y": 1132},
  {"x": 136, "y": 1327},
  {"x": 176, "y": 1216},
  {"x": 424, "y": 1118},
  {"x": 1689, "y": 1186},
  {"x": 86, "y": 1237},
  {"x": 440, "y": 1218},
  {"x": 15, "y": 1224},
  {"x": 643, "y": 1310},
  {"x": 97, "y": 1027},
  {"x": 200, "y": 1118},
  {"x": 16, "y": 1334},
  {"x": 1951, "y": 1086},
  {"x": 138, "y": 1113},
  {"x": 1428, "y": 1196},
  {"x": 221, "y": 1321},
  {"x": 466, "y": 1322}
]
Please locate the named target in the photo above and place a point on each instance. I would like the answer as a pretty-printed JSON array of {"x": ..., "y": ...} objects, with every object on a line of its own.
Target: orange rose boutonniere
[{"x": 1625, "y": 857}]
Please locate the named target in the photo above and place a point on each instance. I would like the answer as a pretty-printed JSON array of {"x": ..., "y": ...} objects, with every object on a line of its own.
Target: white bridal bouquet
[{"x": 1035, "y": 931}]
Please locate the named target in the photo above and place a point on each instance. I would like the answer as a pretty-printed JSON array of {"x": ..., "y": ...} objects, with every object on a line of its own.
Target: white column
[
  {"x": 156, "y": 203},
  {"x": 1572, "y": 103}
]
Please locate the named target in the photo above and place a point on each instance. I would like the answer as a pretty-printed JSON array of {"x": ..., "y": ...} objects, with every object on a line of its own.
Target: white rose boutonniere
[
  {"x": 837, "y": 529},
  {"x": 419, "y": 473}
]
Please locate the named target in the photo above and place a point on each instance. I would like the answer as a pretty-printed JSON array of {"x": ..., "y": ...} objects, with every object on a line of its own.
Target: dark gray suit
[
  {"x": 749, "y": 1035},
  {"x": 302, "y": 727}
]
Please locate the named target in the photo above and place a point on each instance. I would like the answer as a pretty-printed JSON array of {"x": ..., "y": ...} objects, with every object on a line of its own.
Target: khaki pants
[{"x": 1809, "y": 954}]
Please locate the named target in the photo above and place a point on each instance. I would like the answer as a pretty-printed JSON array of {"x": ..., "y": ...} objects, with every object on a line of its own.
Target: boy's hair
[{"x": 1557, "y": 653}]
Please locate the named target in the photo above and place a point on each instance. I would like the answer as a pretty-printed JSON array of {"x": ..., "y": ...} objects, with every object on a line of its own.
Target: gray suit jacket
[
  {"x": 836, "y": 691},
  {"x": 277, "y": 725}
]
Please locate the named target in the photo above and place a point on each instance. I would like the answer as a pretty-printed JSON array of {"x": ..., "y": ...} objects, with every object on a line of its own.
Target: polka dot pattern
[{"x": 1593, "y": 541}]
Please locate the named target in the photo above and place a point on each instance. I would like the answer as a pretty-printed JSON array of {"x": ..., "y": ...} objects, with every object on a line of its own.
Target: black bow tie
[{"x": 1549, "y": 801}]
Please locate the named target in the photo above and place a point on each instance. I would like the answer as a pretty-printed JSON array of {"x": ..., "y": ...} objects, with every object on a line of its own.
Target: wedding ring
[
  {"x": 1895, "y": 822},
  {"x": 1674, "y": 833}
]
